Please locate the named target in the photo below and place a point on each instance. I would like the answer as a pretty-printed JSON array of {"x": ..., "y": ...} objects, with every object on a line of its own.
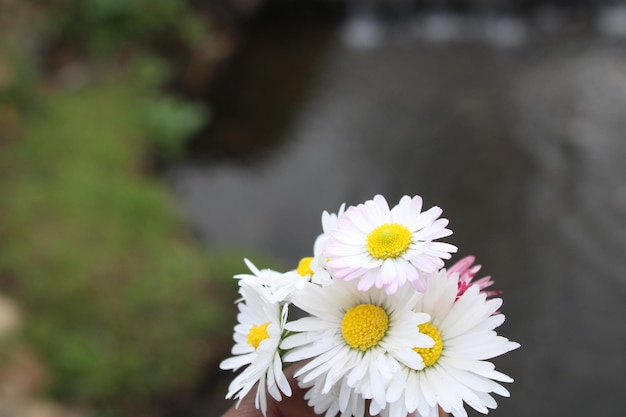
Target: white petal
[{"x": 237, "y": 362}]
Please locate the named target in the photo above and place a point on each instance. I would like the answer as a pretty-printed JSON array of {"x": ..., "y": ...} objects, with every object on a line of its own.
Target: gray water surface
[{"x": 523, "y": 148}]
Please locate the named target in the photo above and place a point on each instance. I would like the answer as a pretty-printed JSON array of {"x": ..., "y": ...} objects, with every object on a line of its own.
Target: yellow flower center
[
  {"x": 432, "y": 354},
  {"x": 304, "y": 267},
  {"x": 363, "y": 326},
  {"x": 389, "y": 240},
  {"x": 257, "y": 334}
]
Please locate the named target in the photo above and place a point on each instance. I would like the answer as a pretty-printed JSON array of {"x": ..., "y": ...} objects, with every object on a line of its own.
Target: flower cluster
[{"x": 387, "y": 330}]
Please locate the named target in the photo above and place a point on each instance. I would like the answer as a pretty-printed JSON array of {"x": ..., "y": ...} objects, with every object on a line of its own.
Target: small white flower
[
  {"x": 257, "y": 337},
  {"x": 312, "y": 268},
  {"x": 355, "y": 338},
  {"x": 280, "y": 286},
  {"x": 386, "y": 248},
  {"x": 318, "y": 268},
  {"x": 456, "y": 367},
  {"x": 265, "y": 277},
  {"x": 309, "y": 270},
  {"x": 329, "y": 223}
]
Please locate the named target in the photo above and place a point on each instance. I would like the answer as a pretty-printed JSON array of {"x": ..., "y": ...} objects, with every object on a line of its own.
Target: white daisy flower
[
  {"x": 313, "y": 268},
  {"x": 279, "y": 285},
  {"x": 316, "y": 265},
  {"x": 329, "y": 223},
  {"x": 355, "y": 338},
  {"x": 257, "y": 337},
  {"x": 386, "y": 248},
  {"x": 456, "y": 367},
  {"x": 310, "y": 269},
  {"x": 265, "y": 277}
]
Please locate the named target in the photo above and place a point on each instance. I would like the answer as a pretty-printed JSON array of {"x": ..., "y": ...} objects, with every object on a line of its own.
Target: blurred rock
[
  {"x": 23, "y": 375},
  {"x": 10, "y": 316}
]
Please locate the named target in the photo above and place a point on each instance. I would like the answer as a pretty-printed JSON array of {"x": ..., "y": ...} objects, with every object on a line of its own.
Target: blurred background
[{"x": 147, "y": 147}]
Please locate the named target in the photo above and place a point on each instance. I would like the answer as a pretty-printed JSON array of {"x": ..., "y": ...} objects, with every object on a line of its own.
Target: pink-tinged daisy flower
[
  {"x": 466, "y": 271},
  {"x": 257, "y": 337},
  {"x": 386, "y": 248},
  {"x": 456, "y": 369}
]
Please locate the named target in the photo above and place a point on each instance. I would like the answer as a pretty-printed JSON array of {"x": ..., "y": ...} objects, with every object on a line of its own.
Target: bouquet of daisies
[{"x": 386, "y": 330}]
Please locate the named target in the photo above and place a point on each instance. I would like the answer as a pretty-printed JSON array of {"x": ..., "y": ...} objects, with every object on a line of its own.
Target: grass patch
[{"x": 120, "y": 302}]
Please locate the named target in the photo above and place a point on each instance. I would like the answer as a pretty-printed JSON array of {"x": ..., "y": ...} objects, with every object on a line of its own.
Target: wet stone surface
[{"x": 524, "y": 150}]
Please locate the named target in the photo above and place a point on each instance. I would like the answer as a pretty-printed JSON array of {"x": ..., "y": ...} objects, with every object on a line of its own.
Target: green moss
[{"x": 121, "y": 303}]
